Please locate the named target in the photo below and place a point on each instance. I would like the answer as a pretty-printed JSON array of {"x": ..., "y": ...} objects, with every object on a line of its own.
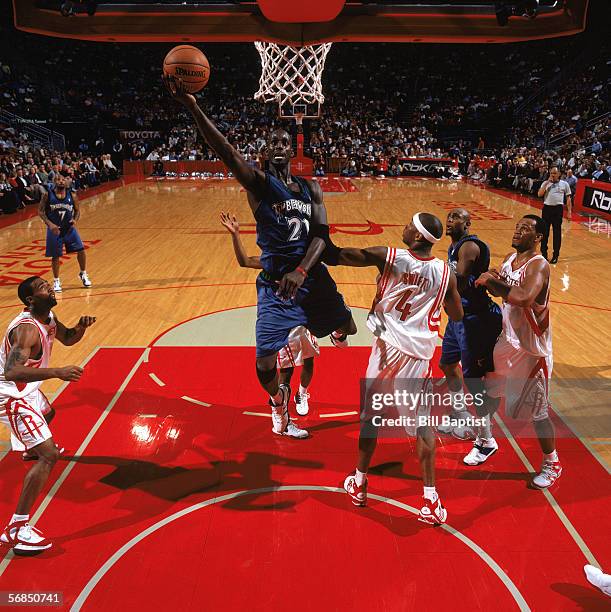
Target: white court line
[
  {"x": 262, "y": 414},
  {"x": 95, "y": 579},
  {"x": 337, "y": 414},
  {"x": 194, "y": 401},
  {"x": 156, "y": 379},
  {"x": 564, "y": 519},
  {"x": 58, "y": 483}
]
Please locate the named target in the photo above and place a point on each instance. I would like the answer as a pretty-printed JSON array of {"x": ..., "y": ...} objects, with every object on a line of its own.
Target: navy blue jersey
[
  {"x": 283, "y": 224},
  {"x": 60, "y": 211},
  {"x": 474, "y": 299}
]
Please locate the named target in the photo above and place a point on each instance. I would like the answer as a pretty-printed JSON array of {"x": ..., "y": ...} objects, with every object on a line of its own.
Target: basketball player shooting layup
[
  {"x": 24, "y": 363},
  {"x": 404, "y": 319},
  {"x": 523, "y": 352},
  {"x": 294, "y": 288},
  {"x": 302, "y": 346}
]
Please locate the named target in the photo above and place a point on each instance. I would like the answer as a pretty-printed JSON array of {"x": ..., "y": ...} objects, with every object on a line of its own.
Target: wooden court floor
[
  {"x": 158, "y": 257},
  {"x": 172, "y": 487}
]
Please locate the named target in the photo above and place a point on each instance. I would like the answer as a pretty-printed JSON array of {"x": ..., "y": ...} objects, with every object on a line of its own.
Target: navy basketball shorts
[
  {"x": 55, "y": 244},
  {"x": 318, "y": 306},
  {"x": 471, "y": 341}
]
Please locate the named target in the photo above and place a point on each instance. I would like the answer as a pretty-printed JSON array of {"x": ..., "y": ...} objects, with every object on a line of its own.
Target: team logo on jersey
[{"x": 282, "y": 208}]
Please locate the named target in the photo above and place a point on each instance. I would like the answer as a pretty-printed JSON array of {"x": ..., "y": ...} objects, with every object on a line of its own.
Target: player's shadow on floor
[
  {"x": 164, "y": 486},
  {"x": 587, "y": 598}
]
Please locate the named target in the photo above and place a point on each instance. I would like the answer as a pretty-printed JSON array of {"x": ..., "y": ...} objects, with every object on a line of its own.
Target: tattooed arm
[
  {"x": 70, "y": 336},
  {"x": 25, "y": 340}
]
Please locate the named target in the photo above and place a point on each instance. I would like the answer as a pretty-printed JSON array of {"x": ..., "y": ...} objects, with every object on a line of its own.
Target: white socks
[
  {"x": 553, "y": 456},
  {"x": 485, "y": 431},
  {"x": 360, "y": 478},
  {"x": 19, "y": 517},
  {"x": 302, "y": 390},
  {"x": 431, "y": 494}
]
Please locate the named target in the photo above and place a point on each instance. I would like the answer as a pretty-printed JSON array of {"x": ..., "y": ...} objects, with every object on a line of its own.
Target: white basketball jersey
[
  {"x": 407, "y": 308},
  {"x": 526, "y": 327},
  {"x": 9, "y": 388}
]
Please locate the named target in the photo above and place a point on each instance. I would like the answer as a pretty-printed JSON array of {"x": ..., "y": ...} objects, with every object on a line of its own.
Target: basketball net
[{"x": 291, "y": 75}]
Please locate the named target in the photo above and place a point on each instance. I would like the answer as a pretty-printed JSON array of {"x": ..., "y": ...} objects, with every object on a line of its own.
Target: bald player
[
  {"x": 468, "y": 344},
  {"x": 294, "y": 287}
]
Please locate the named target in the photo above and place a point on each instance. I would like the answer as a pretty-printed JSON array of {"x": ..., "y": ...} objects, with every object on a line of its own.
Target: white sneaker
[
  {"x": 280, "y": 413},
  {"x": 84, "y": 279},
  {"x": 24, "y": 539},
  {"x": 57, "y": 286},
  {"x": 292, "y": 431},
  {"x": 301, "y": 403},
  {"x": 550, "y": 472},
  {"x": 340, "y": 341},
  {"x": 599, "y": 579},
  {"x": 482, "y": 450}
]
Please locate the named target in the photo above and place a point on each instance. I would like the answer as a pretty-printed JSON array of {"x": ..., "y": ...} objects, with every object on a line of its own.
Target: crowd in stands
[
  {"x": 384, "y": 103},
  {"x": 24, "y": 166}
]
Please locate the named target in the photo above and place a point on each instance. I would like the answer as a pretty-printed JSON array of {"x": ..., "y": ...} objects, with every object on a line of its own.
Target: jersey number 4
[
  {"x": 296, "y": 225},
  {"x": 403, "y": 306}
]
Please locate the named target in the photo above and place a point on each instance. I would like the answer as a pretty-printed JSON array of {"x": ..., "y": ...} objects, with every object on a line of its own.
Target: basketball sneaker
[
  {"x": 301, "y": 403},
  {"x": 433, "y": 513},
  {"x": 84, "y": 279},
  {"x": 357, "y": 494},
  {"x": 24, "y": 539},
  {"x": 339, "y": 340},
  {"x": 292, "y": 431},
  {"x": 599, "y": 579},
  {"x": 57, "y": 286},
  {"x": 482, "y": 450},
  {"x": 550, "y": 472}
]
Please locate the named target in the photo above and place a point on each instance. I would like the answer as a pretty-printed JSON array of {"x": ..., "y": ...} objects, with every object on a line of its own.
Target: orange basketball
[{"x": 188, "y": 64}]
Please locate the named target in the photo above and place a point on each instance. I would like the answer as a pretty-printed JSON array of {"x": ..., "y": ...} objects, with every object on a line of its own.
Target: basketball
[{"x": 188, "y": 64}]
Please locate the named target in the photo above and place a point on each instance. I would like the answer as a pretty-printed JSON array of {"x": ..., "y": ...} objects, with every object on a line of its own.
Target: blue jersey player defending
[
  {"x": 470, "y": 341},
  {"x": 294, "y": 288},
  {"x": 59, "y": 209}
]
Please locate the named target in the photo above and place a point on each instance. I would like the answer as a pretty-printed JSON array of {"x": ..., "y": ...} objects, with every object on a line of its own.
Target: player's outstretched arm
[
  {"x": 360, "y": 258},
  {"x": 452, "y": 303},
  {"x": 252, "y": 179},
  {"x": 233, "y": 227},
  {"x": 23, "y": 339},
  {"x": 69, "y": 336}
]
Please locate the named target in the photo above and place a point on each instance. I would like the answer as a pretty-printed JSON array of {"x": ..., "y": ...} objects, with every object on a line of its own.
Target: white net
[{"x": 291, "y": 75}]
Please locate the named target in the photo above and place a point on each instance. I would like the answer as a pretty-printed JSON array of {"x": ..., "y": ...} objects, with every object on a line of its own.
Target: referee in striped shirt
[{"x": 555, "y": 193}]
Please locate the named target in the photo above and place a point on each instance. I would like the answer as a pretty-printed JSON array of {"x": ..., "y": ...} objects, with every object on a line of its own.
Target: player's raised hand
[
  {"x": 70, "y": 373},
  {"x": 289, "y": 285},
  {"x": 230, "y": 222},
  {"x": 86, "y": 322},
  {"x": 177, "y": 90}
]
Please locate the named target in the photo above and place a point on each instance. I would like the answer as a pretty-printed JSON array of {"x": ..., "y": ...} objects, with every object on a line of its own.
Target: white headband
[{"x": 416, "y": 221}]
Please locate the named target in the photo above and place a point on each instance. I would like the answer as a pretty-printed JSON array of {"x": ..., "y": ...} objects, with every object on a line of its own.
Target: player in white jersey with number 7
[
  {"x": 523, "y": 352},
  {"x": 405, "y": 317}
]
